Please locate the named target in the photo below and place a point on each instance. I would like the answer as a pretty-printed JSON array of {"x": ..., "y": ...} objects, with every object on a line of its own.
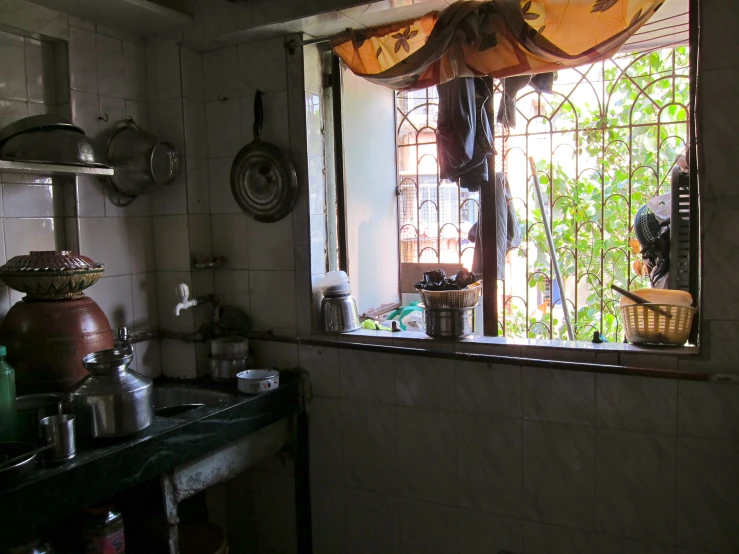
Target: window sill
[
  {"x": 527, "y": 348},
  {"x": 607, "y": 358}
]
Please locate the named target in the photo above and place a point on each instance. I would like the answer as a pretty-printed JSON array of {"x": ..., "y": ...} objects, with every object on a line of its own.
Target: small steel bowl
[{"x": 256, "y": 381}]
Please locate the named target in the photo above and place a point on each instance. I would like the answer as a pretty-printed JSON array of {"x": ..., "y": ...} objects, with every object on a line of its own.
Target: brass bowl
[{"x": 51, "y": 275}]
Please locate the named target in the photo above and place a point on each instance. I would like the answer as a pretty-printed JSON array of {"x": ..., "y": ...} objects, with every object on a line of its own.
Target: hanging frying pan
[{"x": 263, "y": 179}]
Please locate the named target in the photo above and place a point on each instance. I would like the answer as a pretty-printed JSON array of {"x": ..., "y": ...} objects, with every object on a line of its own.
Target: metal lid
[{"x": 108, "y": 362}]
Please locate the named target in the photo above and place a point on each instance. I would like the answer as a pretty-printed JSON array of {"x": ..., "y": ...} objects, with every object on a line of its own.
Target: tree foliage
[{"x": 623, "y": 145}]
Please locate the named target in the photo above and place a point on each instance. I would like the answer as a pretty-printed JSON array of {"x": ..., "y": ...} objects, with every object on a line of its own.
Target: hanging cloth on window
[
  {"x": 464, "y": 140},
  {"x": 508, "y": 229},
  {"x": 497, "y": 38},
  {"x": 543, "y": 82}
]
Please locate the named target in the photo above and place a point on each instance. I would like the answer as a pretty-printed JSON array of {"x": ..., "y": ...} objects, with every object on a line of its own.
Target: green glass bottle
[{"x": 7, "y": 398}]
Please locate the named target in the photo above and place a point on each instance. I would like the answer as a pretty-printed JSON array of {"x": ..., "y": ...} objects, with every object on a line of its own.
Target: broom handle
[{"x": 550, "y": 241}]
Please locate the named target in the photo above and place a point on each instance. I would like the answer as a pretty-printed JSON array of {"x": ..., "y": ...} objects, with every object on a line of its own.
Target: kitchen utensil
[
  {"x": 229, "y": 347},
  {"x": 114, "y": 401},
  {"x": 57, "y": 146},
  {"x": 449, "y": 323},
  {"x": 47, "y": 138},
  {"x": 47, "y": 339},
  {"x": 142, "y": 162},
  {"x": 339, "y": 312},
  {"x": 12, "y": 461},
  {"x": 30, "y": 409},
  {"x": 59, "y": 432},
  {"x": 263, "y": 179},
  {"x": 639, "y": 300},
  {"x": 41, "y": 122},
  {"x": 643, "y": 325},
  {"x": 226, "y": 369},
  {"x": 51, "y": 275},
  {"x": 465, "y": 298},
  {"x": 10, "y": 475},
  {"x": 255, "y": 381}
]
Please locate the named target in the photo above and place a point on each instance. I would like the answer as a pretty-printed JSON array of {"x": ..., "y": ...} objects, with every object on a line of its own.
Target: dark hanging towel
[
  {"x": 509, "y": 230},
  {"x": 464, "y": 138}
]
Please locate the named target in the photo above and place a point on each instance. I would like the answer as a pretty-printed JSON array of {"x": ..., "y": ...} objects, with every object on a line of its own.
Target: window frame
[{"x": 489, "y": 298}]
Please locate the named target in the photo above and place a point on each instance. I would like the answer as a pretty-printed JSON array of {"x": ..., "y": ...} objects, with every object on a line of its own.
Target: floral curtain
[{"x": 500, "y": 38}]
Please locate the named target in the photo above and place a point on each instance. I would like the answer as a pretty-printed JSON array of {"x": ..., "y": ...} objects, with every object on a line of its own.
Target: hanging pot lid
[{"x": 263, "y": 179}]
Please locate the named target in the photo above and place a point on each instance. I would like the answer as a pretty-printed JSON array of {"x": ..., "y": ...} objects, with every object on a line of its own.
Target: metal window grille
[{"x": 605, "y": 143}]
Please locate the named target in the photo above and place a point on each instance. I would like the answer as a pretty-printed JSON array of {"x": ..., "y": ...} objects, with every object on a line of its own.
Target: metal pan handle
[{"x": 258, "y": 114}]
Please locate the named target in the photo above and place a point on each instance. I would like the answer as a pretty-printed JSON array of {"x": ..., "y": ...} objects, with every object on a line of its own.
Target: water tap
[
  {"x": 183, "y": 295},
  {"x": 182, "y": 291}
]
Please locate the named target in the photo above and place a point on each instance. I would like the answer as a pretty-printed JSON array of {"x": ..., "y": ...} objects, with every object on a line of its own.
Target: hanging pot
[
  {"x": 263, "y": 179},
  {"x": 141, "y": 161}
]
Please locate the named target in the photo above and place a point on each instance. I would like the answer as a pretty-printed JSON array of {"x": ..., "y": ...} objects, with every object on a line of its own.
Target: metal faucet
[{"x": 182, "y": 291}]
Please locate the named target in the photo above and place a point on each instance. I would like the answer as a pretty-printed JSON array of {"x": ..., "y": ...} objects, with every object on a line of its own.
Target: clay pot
[{"x": 47, "y": 340}]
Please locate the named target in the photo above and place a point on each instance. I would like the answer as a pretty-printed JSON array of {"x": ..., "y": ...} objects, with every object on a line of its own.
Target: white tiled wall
[
  {"x": 260, "y": 271},
  {"x": 92, "y": 75}
]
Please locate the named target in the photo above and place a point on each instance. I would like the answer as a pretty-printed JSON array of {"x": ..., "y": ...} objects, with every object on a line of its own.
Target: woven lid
[{"x": 50, "y": 260}]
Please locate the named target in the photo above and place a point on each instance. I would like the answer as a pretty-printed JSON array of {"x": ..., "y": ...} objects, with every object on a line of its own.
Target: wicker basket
[
  {"x": 466, "y": 298},
  {"x": 644, "y": 326}
]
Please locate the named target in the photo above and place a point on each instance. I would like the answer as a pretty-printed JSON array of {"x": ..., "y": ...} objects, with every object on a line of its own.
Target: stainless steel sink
[{"x": 172, "y": 400}]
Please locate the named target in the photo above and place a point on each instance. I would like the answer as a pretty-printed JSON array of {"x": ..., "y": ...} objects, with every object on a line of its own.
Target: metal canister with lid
[{"x": 103, "y": 531}]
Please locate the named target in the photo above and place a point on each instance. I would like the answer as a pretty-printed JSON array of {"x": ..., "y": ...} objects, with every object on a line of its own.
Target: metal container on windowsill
[{"x": 449, "y": 323}]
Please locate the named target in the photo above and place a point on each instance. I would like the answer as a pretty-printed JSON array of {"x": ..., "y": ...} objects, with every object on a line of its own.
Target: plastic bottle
[{"x": 7, "y": 398}]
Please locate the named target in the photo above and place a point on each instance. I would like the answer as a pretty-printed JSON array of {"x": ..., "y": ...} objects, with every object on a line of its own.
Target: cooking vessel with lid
[
  {"x": 263, "y": 179},
  {"x": 114, "y": 401}
]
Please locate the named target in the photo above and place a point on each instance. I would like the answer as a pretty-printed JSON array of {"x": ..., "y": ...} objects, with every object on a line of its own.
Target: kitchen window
[{"x": 605, "y": 142}]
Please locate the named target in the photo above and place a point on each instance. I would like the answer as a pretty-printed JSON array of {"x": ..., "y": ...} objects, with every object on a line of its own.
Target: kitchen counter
[{"x": 103, "y": 468}]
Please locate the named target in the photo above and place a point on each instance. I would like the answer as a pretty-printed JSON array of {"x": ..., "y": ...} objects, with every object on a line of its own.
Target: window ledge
[
  {"x": 559, "y": 350},
  {"x": 608, "y": 358}
]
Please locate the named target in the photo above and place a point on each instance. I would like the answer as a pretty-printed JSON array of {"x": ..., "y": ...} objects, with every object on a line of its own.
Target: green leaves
[{"x": 640, "y": 100}]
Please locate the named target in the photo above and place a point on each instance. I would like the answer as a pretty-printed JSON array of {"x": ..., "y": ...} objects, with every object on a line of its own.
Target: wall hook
[
  {"x": 222, "y": 98},
  {"x": 103, "y": 117}
]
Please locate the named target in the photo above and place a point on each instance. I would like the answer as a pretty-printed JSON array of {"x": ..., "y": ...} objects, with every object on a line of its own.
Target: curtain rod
[{"x": 292, "y": 44}]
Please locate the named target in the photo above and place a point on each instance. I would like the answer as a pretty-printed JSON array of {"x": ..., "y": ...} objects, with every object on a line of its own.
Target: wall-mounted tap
[{"x": 182, "y": 291}]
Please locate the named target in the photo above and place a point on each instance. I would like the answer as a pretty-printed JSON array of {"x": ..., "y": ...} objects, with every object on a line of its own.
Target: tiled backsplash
[
  {"x": 412, "y": 454},
  {"x": 98, "y": 78}
]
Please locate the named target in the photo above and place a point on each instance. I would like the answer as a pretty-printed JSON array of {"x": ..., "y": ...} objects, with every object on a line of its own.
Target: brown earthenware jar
[{"x": 47, "y": 339}]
